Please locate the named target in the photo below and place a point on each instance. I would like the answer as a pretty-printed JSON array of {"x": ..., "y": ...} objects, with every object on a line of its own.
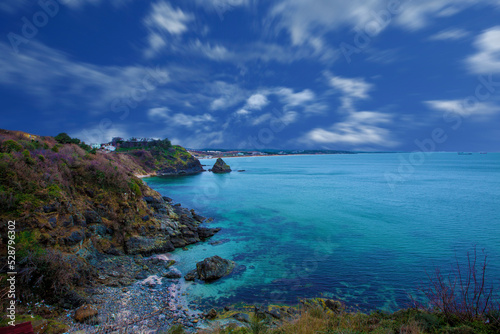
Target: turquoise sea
[{"x": 340, "y": 226}]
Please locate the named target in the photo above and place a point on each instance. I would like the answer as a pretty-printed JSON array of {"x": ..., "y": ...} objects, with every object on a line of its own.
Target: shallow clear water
[{"x": 333, "y": 226}]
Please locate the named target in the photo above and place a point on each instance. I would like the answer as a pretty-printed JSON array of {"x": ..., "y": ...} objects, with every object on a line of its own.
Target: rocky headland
[{"x": 91, "y": 237}]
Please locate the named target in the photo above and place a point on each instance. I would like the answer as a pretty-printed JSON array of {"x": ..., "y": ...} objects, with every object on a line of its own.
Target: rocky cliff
[
  {"x": 160, "y": 160},
  {"x": 74, "y": 209}
]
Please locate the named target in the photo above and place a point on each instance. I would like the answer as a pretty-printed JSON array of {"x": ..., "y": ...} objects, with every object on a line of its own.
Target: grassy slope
[
  {"x": 48, "y": 189},
  {"x": 314, "y": 317},
  {"x": 153, "y": 160}
]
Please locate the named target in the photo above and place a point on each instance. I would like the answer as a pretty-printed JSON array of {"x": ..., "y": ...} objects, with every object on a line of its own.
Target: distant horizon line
[{"x": 326, "y": 150}]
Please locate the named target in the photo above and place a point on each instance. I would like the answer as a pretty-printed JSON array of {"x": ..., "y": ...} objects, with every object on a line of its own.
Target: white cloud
[
  {"x": 487, "y": 58},
  {"x": 316, "y": 108},
  {"x": 164, "y": 20},
  {"x": 243, "y": 112},
  {"x": 359, "y": 128},
  {"x": 95, "y": 134},
  {"x": 257, "y": 102},
  {"x": 261, "y": 119},
  {"x": 178, "y": 119},
  {"x": 164, "y": 17},
  {"x": 479, "y": 111},
  {"x": 286, "y": 118},
  {"x": 214, "y": 52},
  {"x": 450, "y": 34},
  {"x": 303, "y": 100},
  {"x": 310, "y": 20},
  {"x": 352, "y": 87},
  {"x": 222, "y": 6},
  {"x": 296, "y": 99},
  {"x": 39, "y": 71},
  {"x": 228, "y": 95},
  {"x": 289, "y": 117}
]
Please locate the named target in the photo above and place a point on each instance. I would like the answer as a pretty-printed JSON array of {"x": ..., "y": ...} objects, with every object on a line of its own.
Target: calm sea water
[{"x": 333, "y": 226}]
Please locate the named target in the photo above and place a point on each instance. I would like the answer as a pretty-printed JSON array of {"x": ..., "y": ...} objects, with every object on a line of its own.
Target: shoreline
[
  {"x": 143, "y": 176},
  {"x": 144, "y": 293},
  {"x": 271, "y": 155}
]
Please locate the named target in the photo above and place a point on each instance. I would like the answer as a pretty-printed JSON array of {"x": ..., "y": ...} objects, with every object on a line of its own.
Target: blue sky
[{"x": 385, "y": 75}]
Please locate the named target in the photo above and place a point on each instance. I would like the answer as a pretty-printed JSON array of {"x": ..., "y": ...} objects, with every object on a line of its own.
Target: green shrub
[
  {"x": 54, "y": 191},
  {"x": 135, "y": 188},
  {"x": 85, "y": 147},
  {"x": 177, "y": 329},
  {"x": 27, "y": 157},
  {"x": 428, "y": 321},
  {"x": 461, "y": 330},
  {"x": 256, "y": 325},
  {"x": 10, "y": 146}
]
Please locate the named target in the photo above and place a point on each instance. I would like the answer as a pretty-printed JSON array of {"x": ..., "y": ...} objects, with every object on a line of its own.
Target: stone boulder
[
  {"x": 220, "y": 167},
  {"x": 211, "y": 269},
  {"x": 86, "y": 314},
  {"x": 212, "y": 314}
]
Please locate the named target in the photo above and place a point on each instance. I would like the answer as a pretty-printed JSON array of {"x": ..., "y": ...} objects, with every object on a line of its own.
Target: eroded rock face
[
  {"x": 221, "y": 167},
  {"x": 178, "y": 228},
  {"x": 211, "y": 269},
  {"x": 191, "y": 166},
  {"x": 145, "y": 245}
]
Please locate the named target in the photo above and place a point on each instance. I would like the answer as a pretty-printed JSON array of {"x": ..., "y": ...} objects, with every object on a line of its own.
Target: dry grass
[{"x": 322, "y": 321}]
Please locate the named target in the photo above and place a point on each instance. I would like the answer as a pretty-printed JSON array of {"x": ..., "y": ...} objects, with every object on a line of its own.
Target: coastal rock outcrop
[
  {"x": 190, "y": 166},
  {"x": 145, "y": 245},
  {"x": 178, "y": 228},
  {"x": 220, "y": 167},
  {"x": 95, "y": 220},
  {"x": 211, "y": 269}
]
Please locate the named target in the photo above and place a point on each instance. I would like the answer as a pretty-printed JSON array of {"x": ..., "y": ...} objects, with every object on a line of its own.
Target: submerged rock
[
  {"x": 221, "y": 167},
  {"x": 191, "y": 276}
]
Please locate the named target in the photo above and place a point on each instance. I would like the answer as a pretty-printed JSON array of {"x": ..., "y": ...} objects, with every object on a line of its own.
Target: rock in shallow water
[
  {"x": 220, "y": 167},
  {"x": 211, "y": 269}
]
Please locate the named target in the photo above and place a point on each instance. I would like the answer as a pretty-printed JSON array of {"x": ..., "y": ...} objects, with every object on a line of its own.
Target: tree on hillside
[
  {"x": 63, "y": 138},
  {"x": 165, "y": 143}
]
